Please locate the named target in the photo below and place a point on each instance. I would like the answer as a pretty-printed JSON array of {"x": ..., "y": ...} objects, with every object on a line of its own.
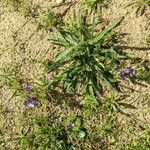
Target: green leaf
[
  {"x": 65, "y": 55},
  {"x": 127, "y": 56},
  {"x": 92, "y": 93},
  {"x": 78, "y": 123},
  {"x": 131, "y": 56},
  {"x": 106, "y": 31},
  {"x": 82, "y": 134}
]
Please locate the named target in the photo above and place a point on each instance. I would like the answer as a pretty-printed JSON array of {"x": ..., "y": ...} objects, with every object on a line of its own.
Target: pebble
[{"x": 59, "y": 1}]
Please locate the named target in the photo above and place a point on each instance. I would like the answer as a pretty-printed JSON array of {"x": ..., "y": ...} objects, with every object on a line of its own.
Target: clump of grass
[
  {"x": 30, "y": 92},
  {"x": 44, "y": 134},
  {"x": 142, "y": 143},
  {"x": 50, "y": 20},
  {"x": 94, "y": 3},
  {"x": 143, "y": 71},
  {"x": 107, "y": 132},
  {"x": 9, "y": 77},
  {"x": 14, "y": 3},
  {"x": 111, "y": 103},
  {"x": 87, "y": 62},
  {"x": 141, "y": 5},
  {"x": 24, "y": 9}
]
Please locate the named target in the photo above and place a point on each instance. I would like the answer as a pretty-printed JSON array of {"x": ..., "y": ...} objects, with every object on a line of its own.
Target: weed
[
  {"x": 142, "y": 143},
  {"x": 50, "y": 19},
  {"x": 113, "y": 103},
  {"x": 14, "y": 3},
  {"x": 110, "y": 103},
  {"x": 143, "y": 73},
  {"x": 46, "y": 136},
  {"x": 89, "y": 104},
  {"x": 94, "y": 3},
  {"x": 141, "y": 5},
  {"x": 107, "y": 132},
  {"x": 88, "y": 61},
  {"x": 24, "y": 9},
  {"x": 10, "y": 78},
  {"x": 78, "y": 127},
  {"x": 39, "y": 88},
  {"x": 30, "y": 92}
]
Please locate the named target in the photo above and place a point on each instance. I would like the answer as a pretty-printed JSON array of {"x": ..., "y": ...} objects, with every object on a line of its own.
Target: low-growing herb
[
  {"x": 50, "y": 19},
  {"x": 94, "y": 3},
  {"x": 87, "y": 62}
]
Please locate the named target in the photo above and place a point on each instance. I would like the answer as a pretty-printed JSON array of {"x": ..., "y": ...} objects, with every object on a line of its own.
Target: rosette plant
[{"x": 87, "y": 61}]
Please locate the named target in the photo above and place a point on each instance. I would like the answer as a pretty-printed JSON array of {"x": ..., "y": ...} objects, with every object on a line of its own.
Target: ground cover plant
[
  {"x": 95, "y": 3},
  {"x": 74, "y": 75},
  {"x": 51, "y": 19},
  {"x": 88, "y": 60},
  {"x": 46, "y": 135}
]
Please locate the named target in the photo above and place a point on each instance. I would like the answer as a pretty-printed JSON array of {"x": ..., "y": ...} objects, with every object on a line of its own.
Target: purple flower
[
  {"x": 123, "y": 73},
  {"x": 27, "y": 89},
  {"x": 31, "y": 102},
  {"x": 131, "y": 72}
]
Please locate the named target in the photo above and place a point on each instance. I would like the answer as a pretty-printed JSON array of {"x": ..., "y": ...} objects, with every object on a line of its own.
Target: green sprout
[
  {"x": 24, "y": 9},
  {"x": 13, "y": 3},
  {"x": 94, "y": 3},
  {"x": 87, "y": 62},
  {"x": 111, "y": 103},
  {"x": 9, "y": 77},
  {"x": 78, "y": 128},
  {"x": 143, "y": 71},
  {"x": 50, "y": 19}
]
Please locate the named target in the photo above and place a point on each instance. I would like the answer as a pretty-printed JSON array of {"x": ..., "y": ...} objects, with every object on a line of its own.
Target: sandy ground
[{"x": 14, "y": 27}]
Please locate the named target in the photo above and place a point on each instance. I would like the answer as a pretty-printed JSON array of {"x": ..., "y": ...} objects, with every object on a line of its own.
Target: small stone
[{"x": 59, "y": 1}]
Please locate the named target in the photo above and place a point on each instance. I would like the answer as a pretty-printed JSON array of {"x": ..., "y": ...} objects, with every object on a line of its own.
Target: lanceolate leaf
[
  {"x": 65, "y": 55},
  {"x": 128, "y": 56},
  {"x": 106, "y": 31}
]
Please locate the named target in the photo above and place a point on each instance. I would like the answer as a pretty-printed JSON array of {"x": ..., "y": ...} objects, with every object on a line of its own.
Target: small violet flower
[
  {"x": 131, "y": 72},
  {"x": 127, "y": 73},
  {"x": 31, "y": 102},
  {"x": 123, "y": 73},
  {"x": 28, "y": 89}
]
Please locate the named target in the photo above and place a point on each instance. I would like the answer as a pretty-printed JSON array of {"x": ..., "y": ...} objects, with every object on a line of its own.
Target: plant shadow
[
  {"x": 61, "y": 98},
  {"x": 124, "y": 47}
]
